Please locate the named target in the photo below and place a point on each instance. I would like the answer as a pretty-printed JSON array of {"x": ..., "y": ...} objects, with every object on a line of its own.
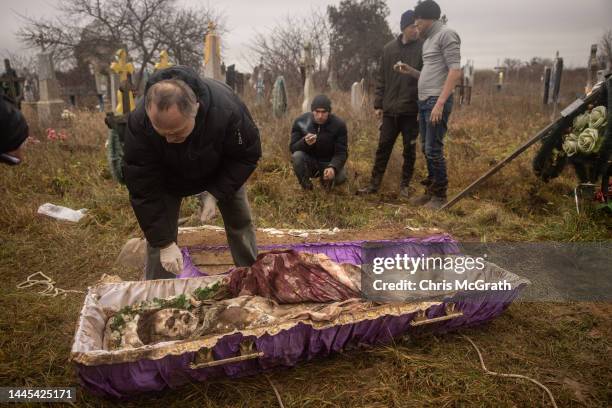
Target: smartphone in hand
[{"x": 310, "y": 138}]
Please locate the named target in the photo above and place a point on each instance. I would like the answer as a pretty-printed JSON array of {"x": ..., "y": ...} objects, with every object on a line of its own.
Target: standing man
[
  {"x": 319, "y": 145},
  {"x": 186, "y": 136},
  {"x": 441, "y": 73},
  {"x": 396, "y": 104}
]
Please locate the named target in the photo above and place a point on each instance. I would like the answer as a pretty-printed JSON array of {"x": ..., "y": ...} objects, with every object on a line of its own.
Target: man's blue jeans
[{"x": 432, "y": 143}]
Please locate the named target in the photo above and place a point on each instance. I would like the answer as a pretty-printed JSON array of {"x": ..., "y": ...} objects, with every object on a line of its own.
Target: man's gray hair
[{"x": 164, "y": 94}]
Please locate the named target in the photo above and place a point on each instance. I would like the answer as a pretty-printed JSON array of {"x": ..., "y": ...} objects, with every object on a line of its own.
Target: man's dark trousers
[
  {"x": 306, "y": 167},
  {"x": 239, "y": 230},
  {"x": 392, "y": 125}
]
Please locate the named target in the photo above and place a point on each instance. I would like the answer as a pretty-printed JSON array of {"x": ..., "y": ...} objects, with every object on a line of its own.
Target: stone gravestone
[
  {"x": 239, "y": 83},
  {"x": 29, "y": 90},
  {"x": 50, "y": 105},
  {"x": 555, "y": 80},
  {"x": 546, "y": 81},
  {"x": 230, "y": 76},
  {"x": 259, "y": 85},
  {"x": 212, "y": 54},
  {"x": 101, "y": 82},
  {"x": 332, "y": 78},
  {"x": 357, "y": 96},
  {"x": 279, "y": 97},
  {"x": 308, "y": 64},
  {"x": 11, "y": 83},
  {"x": 592, "y": 68}
]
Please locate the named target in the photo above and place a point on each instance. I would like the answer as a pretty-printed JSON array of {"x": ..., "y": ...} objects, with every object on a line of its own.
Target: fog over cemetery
[{"x": 96, "y": 297}]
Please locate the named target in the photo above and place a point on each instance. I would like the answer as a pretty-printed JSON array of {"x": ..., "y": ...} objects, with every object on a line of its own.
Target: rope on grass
[
  {"x": 278, "y": 397},
  {"x": 48, "y": 283},
  {"x": 487, "y": 371}
]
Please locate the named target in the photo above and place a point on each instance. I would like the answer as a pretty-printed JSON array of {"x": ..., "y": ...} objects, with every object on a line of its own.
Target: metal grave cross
[
  {"x": 124, "y": 69},
  {"x": 164, "y": 62},
  {"x": 11, "y": 83}
]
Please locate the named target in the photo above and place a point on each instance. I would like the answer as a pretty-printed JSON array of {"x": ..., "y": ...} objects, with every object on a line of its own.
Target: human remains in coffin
[{"x": 280, "y": 286}]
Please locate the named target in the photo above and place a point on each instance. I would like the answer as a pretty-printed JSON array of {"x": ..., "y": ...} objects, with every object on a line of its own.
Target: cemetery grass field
[{"x": 566, "y": 346}]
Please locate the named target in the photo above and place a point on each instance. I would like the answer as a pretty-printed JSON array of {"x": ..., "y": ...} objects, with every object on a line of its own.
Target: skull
[{"x": 169, "y": 324}]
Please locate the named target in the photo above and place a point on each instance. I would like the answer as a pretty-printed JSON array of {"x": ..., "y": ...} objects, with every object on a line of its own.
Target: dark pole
[{"x": 577, "y": 106}]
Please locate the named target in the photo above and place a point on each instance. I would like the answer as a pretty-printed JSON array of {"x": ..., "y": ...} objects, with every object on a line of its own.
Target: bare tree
[
  {"x": 280, "y": 49},
  {"x": 23, "y": 63},
  {"x": 144, "y": 27},
  {"x": 605, "y": 48},
  {"x": 512, "y": 64}
]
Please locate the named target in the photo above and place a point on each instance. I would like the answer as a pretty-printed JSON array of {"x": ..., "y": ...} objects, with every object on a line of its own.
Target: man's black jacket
[
  {"x": 332, "y": 141},
  {"x": 13, "y": 126},
  {"x": 218, "y": 156},
  {"x": 395, "y": 93}
]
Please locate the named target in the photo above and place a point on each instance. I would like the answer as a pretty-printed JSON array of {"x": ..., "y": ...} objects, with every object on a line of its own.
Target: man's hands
[
  {"x": 436, "y": 113},
  {"x": 329, "y": 173},
  {"x": 452, "y": 79},
  {"x": 310, "y": 139},
  {"x": 406, "y": 69},
  {"x": 378, "y": 113},
  {"x": 171, "y": 259},
  {"x": 209, "y": 205}
]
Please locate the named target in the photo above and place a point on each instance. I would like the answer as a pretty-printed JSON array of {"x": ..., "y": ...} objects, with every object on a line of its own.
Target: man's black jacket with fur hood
[{"x": 218, "y": 156}]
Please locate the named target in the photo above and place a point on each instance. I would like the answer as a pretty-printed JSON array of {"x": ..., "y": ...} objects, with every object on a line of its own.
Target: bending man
[{"x": 189, "y": 135}]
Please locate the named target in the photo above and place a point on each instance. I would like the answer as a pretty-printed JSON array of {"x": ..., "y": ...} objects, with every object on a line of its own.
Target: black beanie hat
[
  {"x": 427, "y": 10},
  {"x": 407, "y": 19},
  {"x": 321, "y": 102},
  {"x": 13, "y": 126}
]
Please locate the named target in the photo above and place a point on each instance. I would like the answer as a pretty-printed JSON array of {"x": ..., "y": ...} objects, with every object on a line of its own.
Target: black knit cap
[
  {"x": 321, "y": 102},
  {"x": 407, "y": 19},
  {"x": 427, "y": 10},
  {"x": 13, "y": 126}
]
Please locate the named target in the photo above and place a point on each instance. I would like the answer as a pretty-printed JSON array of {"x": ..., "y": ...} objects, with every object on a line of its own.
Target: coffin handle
[
  {"x": 421, "y": 318},
  {"x": 247, "y": 352}
]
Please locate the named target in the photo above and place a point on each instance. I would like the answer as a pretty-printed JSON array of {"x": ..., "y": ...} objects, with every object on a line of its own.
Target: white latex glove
[
  {"x": 171, "y": 259},
  {"x": 209, "y": 205}
]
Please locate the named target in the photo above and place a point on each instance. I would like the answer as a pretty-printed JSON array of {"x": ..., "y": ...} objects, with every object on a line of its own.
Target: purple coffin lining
[
  {"x": 302, "y": 342},
  {"x": 287, "y": 348},
  {"x": 353, "y": 252}
]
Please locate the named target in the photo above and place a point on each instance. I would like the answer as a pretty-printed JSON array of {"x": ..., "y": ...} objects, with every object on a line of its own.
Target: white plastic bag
[{"x": 62, "y": 213}]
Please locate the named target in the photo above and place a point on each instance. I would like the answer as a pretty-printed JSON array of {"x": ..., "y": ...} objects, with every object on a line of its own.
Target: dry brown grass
[{"x": 566, "y": 346}]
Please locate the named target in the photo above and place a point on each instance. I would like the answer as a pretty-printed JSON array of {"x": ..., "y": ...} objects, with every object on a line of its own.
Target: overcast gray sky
[{"x": 490, "y": 30}]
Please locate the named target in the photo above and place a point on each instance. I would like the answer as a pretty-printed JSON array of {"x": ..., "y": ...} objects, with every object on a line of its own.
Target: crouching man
[
  {"x": 189, "y": 135},
  {"x": 319, "y": 145}
]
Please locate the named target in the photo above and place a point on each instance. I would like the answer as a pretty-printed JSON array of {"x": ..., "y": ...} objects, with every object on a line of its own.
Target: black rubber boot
[
  {"x": 406, "y": 192},
  {"x": 438, "y": 197},
  {"x": 372, "y": 188}
]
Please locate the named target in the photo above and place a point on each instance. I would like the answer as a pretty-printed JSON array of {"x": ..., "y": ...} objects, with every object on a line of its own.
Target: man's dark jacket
[
  {"x": 218, "y": 156},
  {"x": 332, "y": 140},
  {"x": 13, "y": 126},
  {"x": 395, "y": 93}
]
